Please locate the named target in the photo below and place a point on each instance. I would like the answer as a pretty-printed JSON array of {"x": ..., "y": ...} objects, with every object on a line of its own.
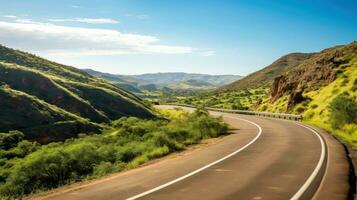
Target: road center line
[{"x": 204, "y": 167}]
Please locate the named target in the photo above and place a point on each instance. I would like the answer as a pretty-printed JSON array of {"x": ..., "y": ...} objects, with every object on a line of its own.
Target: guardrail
[{"x": 247, "y": 112}]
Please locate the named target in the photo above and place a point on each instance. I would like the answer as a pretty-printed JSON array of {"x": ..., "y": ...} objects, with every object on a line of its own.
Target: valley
[
  {"x": 61, "y": 125},
  {"x": 129, "y": 100}
]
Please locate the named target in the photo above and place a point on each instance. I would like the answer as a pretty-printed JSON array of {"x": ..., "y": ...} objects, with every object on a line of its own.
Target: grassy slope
[
  {"x": 316, "y": 108},
  {"x": 38, "y": 84},
  {"x": 264, "y": 77},
  {"x": 247, "y": 92},
  {"x": 40, "y": 120},
  {"x": 236, "y": 99},
  {"x": 64, "y": 87},
  {"x": 318, "y": 111},
  {"x": 312, "y": 74}
]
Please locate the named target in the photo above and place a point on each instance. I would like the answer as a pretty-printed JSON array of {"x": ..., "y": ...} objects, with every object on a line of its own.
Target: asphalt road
[{"x": 263, "y": 158}]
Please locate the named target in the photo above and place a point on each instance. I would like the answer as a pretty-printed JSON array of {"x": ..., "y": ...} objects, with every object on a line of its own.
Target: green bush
[
  {"x": 27, "y": 167},
  {"x": 343, "y": 111},
  {"x": 104, "y": 168},
  {"x": 9, "y": 140}
]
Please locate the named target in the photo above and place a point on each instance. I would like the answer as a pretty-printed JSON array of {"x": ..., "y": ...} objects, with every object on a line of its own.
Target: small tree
[
  {"x": 343, "y": 111},
  {"x": 201, "y": 111}
]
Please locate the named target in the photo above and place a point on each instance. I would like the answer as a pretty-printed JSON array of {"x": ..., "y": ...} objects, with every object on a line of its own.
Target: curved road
[{"x": 263, "y": 158}]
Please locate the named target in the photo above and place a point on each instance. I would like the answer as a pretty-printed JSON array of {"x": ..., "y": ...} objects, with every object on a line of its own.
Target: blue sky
[{"x": 199, "y": 36}]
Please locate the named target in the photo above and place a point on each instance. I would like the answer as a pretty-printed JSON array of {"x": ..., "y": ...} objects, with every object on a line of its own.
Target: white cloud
[
  {"x": 76, "y": 41},
  {"x": 88, "y": 20},
  {"x": 27, "y": 21},
  {"x": 10, "y": 16}
]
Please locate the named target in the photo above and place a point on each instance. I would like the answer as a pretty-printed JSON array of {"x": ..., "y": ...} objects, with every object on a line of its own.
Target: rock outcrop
[{"x": 319, "y": 70}]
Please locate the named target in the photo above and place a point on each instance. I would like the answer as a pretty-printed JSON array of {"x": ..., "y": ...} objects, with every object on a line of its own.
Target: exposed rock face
[
  {"x": 320, "y": 70},
  {"x": 282, "y": 85},
  {"x": 295, "y": 98}
]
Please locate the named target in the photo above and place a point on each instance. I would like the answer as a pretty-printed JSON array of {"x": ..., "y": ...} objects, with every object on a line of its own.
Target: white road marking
[
  {"x": 311, "y": 178},
  {"x": 204, "y": 167}
]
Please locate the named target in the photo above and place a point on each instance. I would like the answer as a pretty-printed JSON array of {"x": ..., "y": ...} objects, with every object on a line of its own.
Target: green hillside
[
  {"x": 323, "y": 89},
  {"x": 264, "y": 77},
  {"x": 321, "y": 86},
  {"x": 245, "y": 99},
  {"x": 49, "y": 101}
]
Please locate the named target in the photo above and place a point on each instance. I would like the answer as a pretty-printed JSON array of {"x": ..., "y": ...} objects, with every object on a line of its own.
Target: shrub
[
  {"x": 343, "y": 111},
  {"x": 104, "y": 168},
  {"x": 9, "y": 140},
  {"x": 27, "y": 167},
  {"x": 300, "y": 109}
]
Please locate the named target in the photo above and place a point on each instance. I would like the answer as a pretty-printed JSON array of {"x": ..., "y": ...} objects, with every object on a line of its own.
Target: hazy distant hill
[
  {"x": 172, "y": 80},
  {"x": 172, "y": 77},
  {"x": 49, "y": 101},
  {"x": 265, "y": 76}
]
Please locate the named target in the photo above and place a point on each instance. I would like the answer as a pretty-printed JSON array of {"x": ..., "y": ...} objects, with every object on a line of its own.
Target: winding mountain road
[{"x": 263, "y": 158}]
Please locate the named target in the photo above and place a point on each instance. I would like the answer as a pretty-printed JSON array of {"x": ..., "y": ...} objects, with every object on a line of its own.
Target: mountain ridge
[
  {"x": 265, "y": 76},
  {"x": 171, "y": 80}
]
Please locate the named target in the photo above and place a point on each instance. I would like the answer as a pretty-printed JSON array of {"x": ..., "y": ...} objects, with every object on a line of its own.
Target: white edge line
[
  {"x": 204, "y": 167},
  {"x": 312, "y": 177}
]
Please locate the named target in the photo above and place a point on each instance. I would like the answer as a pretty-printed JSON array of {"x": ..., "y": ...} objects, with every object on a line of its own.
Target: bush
[
  {"x": 27, "y": 167},
  {"x": 9, "y": 140},
  {"x": 343, "y": 111},
  {"x": 106, "y": 167}
]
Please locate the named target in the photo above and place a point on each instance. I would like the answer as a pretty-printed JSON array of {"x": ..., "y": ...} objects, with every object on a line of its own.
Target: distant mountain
[
  {"x": 49, "y": 101},
  {"x": 264, "y": 77},
  {"x": 172, "y": 77},
  {"x": 172, "y": 80},
  {"x": 128, "y": 83}
]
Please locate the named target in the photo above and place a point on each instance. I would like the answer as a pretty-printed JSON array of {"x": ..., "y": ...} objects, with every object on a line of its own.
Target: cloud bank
[
  {"x": 77, "y": 41},
  {"x": 88, "y": 20}
]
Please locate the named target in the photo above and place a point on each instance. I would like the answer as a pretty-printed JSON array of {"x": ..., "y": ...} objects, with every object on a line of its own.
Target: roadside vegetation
[
  {"x": 327, "y": 82},
  {"x": 245, "y": 99},
  {"x": 27, "y": 167}
]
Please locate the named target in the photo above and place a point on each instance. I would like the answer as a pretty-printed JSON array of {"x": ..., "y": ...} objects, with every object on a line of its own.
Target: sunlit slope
[
  {"x": 264, "y": 77},
  {"x": 323, "y": 89},
  {"x": 62, "y": 87}
]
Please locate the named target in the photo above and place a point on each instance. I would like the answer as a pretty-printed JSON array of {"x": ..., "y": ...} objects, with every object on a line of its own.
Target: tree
[{"x": 343, "y": 111}]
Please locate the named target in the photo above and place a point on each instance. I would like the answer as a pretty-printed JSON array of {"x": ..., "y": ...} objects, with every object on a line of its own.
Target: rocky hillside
[
  {"x": 323, "y": 89},
  {"x": 49, "y": 101},
  {"x": 264, "y": 77},
  {"x": 314, "y": 73}
]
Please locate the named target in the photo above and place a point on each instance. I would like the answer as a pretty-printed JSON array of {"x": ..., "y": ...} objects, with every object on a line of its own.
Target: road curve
[{"x": 263, "y": 159}]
